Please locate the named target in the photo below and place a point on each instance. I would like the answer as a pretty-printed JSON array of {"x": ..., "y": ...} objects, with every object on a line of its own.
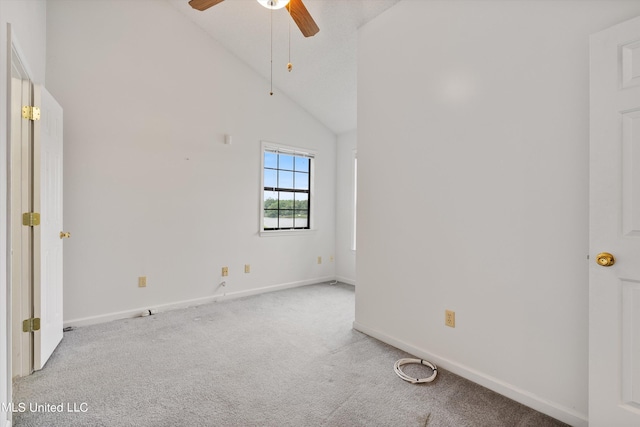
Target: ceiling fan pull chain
[
  {"x": 289, "y": 64},
  {"x": 271, "y": 14}
]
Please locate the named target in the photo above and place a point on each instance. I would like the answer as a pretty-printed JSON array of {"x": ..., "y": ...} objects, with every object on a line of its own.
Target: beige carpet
[{"x": 287, "y": 358}]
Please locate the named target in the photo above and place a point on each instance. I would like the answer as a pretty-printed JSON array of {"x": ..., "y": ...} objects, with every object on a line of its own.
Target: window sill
[{"x": 275, "y": 233}]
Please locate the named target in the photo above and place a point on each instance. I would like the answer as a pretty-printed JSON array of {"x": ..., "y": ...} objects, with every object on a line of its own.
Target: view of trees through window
[
  {"x": 273, "y": 206},
  {"x": 287, "y": 182}
]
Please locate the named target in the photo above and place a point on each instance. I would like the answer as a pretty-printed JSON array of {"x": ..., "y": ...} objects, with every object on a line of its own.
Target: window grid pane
[{"x": 287, "y": 181}]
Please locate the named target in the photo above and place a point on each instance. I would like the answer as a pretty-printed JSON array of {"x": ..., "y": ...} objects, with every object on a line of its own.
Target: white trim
[
  {"x": 288, "y": 149},
  {"x": 13, "y": 47},
  {"x": 346, "y": 280},
  {"x": 128, "y": 314},
  {"x": 8, "y": 368},
  {"x": 310, "y": 154},
  {"x": 553, "y": 409},
  {"x": 280, "y": 233},
  {"x": 272, "y": 288}
]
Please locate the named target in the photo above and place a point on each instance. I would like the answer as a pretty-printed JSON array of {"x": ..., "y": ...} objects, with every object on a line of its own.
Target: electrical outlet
[
  {"x": 319, "y": 260},
  {"x": 142, "y": 281},
  {"x": 247, "y": 268},
  {"x": 450, "y": 318},
  {"x": 225, "y": 271}
]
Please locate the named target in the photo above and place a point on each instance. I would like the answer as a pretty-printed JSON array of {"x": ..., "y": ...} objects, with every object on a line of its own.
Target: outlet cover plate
[{"x": 450, "y": 318}]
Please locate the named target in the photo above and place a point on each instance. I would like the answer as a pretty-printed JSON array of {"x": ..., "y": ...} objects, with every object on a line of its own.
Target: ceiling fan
[{"x": 296, "y": 8}]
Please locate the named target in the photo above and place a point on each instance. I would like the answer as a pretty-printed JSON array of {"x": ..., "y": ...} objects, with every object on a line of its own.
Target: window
[{"x": 287, "y": 185}]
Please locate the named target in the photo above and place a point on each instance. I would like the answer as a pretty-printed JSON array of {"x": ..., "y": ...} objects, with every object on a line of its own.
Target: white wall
[
  {"x": 473, "y": 189},
  {"x": 150, "y": 188},
  {"x": 345, "y": 256},
  {"x": 28, "y": 21}
]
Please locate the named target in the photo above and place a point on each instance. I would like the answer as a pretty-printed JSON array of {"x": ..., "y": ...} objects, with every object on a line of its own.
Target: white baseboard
[
  {"x": 553, "y": 409},
  {"x": 346, "y": 280},
  {"x": 128, "y": 314}
]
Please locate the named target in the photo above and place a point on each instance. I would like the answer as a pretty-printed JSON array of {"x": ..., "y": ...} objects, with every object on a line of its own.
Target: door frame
[{"x": 20, "y": 281}]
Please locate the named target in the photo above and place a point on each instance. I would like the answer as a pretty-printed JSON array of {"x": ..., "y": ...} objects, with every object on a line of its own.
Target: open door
[
  {"x": 614, "y": 238},
  {"x": 34, "y": 187},
  {"x": 36, "y": 224},
  {"x": 49, "y": 237}
]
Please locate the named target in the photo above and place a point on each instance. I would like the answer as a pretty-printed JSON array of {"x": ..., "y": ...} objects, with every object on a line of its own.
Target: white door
[
  {"x": 614, "y": 291},
  {"x": 47, "y": 301}
]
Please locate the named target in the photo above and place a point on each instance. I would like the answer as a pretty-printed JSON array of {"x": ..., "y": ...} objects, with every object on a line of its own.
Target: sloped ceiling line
[{"x": 323, "y": 80}]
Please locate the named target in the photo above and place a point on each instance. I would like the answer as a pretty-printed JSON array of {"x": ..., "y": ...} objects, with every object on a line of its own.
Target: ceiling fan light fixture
[{"x": 274, "y": 4}]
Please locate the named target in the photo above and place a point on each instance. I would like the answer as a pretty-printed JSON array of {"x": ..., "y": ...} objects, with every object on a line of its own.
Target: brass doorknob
[
  {"x": 65, "y": 234},
  {"x": 605, "y": 259}
]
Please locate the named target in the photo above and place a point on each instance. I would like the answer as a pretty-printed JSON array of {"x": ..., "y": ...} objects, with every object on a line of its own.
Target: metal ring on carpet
[{"x": 398, "y": 369}]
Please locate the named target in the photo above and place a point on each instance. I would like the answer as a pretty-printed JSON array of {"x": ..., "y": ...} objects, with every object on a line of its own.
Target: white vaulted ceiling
[{"x": 323, "y": 80}]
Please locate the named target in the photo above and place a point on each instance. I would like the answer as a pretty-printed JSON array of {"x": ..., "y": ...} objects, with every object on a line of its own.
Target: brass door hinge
[
  {"x": 30, "y": 219},
  {"x": 31, "y": 325},
  {"x": 30, "y": 113}
]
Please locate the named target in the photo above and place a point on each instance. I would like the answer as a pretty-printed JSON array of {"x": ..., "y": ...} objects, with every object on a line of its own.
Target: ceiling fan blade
[
  {"x": 204, "y": 4},
  {"x": 302, "y": 18}
]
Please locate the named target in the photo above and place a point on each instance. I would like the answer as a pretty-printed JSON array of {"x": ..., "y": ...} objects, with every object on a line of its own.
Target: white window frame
[{"x": 287, "y": 149}]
